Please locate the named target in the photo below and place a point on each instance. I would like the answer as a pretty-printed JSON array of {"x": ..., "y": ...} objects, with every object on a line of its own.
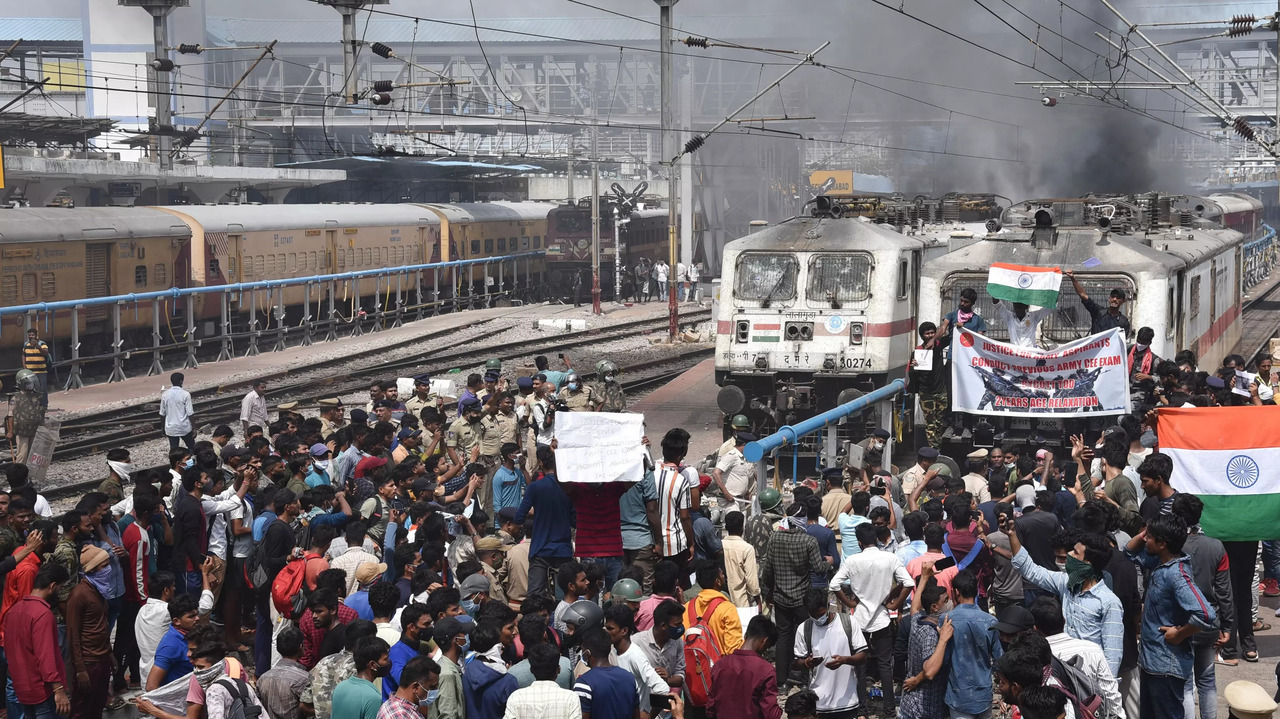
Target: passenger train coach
[
  {"x": 818, "y": 309},
  {"x": 57, "y": 254}
]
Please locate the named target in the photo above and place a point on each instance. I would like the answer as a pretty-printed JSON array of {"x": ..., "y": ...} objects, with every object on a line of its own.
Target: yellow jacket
[{"x": 724, "y": 623}]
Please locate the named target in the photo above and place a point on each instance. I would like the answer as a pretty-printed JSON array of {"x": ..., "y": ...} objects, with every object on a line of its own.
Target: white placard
[
  {"x": 924, "y": 360},
  {"x": 404, "y": 385},
  {"x": 599, "y": 446},
  {"x": 443, "y": 388}
]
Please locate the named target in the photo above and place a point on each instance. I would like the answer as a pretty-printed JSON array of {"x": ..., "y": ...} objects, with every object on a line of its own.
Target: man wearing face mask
[
  {"x": 358, "y": 697},
  {"x": 416, "y": 631},
  {"x": 579, "y": 397},
  {"x": 419, "y": 688},
  {"x": 1142, "y": 362},
  {"x": 464, "y": 434},
  {"x": 88, "y": 634},
  {"x": 615, "y": 400},
  {"x": 453, "y": 638},
  {"x": 1092, "y": 610},
  {"x": 118, "y": 470},
  {"x": 475, "y": 590}
]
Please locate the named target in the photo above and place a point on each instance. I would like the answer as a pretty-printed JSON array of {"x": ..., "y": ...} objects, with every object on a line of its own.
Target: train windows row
[
  {"x": 515, "y": 244},
  {"x": 28, "y": 287}
]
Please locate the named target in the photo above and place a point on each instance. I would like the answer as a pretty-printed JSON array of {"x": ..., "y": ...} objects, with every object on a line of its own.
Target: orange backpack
[{"x": 288, "y": 590}]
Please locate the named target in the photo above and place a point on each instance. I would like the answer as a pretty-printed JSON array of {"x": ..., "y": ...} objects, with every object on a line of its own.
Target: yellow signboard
[
  {"x": 1, "y": 168},
  {"x": 832, "y": 182}
]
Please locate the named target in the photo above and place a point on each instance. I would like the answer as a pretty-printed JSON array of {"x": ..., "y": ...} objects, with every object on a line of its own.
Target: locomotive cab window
[
  {"x": 838, "y": 278},
  {"x": 903, "y": 279},
  {"x": 766, "y": 277}
]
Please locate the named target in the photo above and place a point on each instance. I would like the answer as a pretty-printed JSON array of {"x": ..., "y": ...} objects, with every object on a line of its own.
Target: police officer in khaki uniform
[
  {"x": 493, "y": 428},
  {"x": 1246, "y": 700},
  {"x": 330, "y": 416},
  {"x": 464, "y": 434},
  {"x": 422, "y": 396},
  {"x": 524, "y": 400},
  {"x": 579, "y": 397}
]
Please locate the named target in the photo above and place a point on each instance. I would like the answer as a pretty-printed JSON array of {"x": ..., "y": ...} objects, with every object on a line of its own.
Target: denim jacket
[{"x": 1172, "y": 600}]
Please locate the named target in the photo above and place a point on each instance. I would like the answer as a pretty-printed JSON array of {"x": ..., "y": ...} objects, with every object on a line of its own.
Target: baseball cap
[
  {"x": 408, "y": 432},
  {"x": 368, "y": 572},
  {"x": 319, "y": 450},
  {"x": 475, "y": 584},
  {"x": 452, "y": 625},
  {"x": 1014, "y": 619}
]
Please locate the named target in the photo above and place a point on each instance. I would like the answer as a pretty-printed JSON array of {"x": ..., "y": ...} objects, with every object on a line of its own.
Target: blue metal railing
[
  {"x": 1260, "y": 258},
  {"x": 178, "y": 292}
]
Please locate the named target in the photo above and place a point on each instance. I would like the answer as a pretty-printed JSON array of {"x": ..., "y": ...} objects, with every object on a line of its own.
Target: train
[
  {"x": 57, "y": 254},
  {"x": 644, "y": 234},
  {"x": 818, "y": 309}
]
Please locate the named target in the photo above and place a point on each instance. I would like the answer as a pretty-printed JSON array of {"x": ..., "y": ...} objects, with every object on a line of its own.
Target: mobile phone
[
  {"x": 944, "y": 563},
  {"x": 660, "y": 702}
]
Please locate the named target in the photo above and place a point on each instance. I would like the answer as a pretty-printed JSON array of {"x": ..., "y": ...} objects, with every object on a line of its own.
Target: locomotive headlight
[
  {"x": 762, "y": 362},
  {"x": 829, "y": 363},
  {"x": 856, "y": 332},
  {"x": 742, "y": 330}
]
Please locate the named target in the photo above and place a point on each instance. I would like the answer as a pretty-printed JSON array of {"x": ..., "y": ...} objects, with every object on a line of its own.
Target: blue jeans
[
  {"x": 12, "y": 705},
  {"x": 262, "y": 635},
  {"x": 1271, "y": 559},
  {"x": 1205, "y": 685},
  {"x": 193, "y": 583},
  {"x": 1162, "y": 695},
  {"x": 612, "y": 568},
  {"x": 44, "y": 710},
  {"x": 961, "y": 715}
]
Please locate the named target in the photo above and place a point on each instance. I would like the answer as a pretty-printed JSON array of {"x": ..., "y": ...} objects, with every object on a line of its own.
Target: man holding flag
[
  {"x": 1102, "y": 321},
  {"x": 1023, "y": 287}
]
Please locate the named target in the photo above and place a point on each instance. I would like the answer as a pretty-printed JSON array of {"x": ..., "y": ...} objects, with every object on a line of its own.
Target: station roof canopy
[
  {"x": 407, "y": 168},
  {"x": 26, "y": 129}
]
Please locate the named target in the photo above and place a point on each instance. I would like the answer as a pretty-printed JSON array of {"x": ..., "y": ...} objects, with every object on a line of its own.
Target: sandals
[
  {"x": 1261, "y": 626},
  {"x": 1251, "y": 656},
  {"x": 115, "y": 704}
]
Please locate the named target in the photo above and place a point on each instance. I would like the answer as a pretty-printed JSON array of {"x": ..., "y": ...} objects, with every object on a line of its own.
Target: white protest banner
[
  {"x": 924, "y": 360},
  {"x": 599, "y": 447},
  {"x": 42, "y": 447},
  {"x": 1088, "y": 377}
]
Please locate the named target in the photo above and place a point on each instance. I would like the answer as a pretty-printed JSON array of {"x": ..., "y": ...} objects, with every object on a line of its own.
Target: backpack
[
  {"x": 242, "y": 705},
  {"x": 255, "y": 570},
  {"x": 701, "y": 652},
  {"x": 288, "y": 590},
  {"x": 1079, "y": 688},
  {"x": 844, "y": 622}
]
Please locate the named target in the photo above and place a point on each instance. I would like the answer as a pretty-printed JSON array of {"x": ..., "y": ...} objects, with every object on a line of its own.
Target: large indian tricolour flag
[
  {"x": 1023, "y": 283},
  {"x": 1230, "y": 458}
]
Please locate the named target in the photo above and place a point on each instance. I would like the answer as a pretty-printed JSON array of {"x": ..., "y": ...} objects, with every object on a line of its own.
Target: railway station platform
[
  {"x": 234, "y": 375},
  {"x": 689, "y": 401}
]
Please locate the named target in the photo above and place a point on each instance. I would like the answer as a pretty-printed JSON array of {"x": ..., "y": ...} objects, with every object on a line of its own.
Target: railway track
[
  {"x": 1260, "y": 320},
  {"x": 635, "y": 379},
  {"x": 218, "y": 405}
]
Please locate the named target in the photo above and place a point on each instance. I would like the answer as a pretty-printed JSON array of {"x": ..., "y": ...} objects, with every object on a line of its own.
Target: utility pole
[
  {"x": 350, "y": 76},
  {"x": 673, "y": 167},
  {"x": 595, "y": 220},
  {"x": 161, "y": 66}
]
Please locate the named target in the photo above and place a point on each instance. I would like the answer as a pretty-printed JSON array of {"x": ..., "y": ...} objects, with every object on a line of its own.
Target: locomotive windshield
[
  {"x": 766, "y": 277},
  {"x": 839, "y": 278},
  {"x": 573, "y": 222}
]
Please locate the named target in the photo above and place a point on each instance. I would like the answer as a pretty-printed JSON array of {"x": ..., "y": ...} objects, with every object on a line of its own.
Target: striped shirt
[
  {"x": 674, "y": 494},
  {"x": 34, "y": 357},
  {"x": 599, "y": 518},
  {"x": 1094, "y": 614}
]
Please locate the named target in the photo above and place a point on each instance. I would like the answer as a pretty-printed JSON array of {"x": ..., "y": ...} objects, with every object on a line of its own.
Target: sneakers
[{"x": 1270, "y": 588}]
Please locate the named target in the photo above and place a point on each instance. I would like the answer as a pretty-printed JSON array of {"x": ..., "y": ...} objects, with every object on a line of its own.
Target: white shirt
[
  {"x": 682, "y": 274},
  {"x": 660, "y": 271},
  {"x": 253, "y": 409},
  {"x": 837, "y": 689},
  {"x": 1022, "y": 332},
  {"x": 976, "y": 485},
  {"x": 648, "y": 682},
  {"x": 1264, "y": 388},
  {"x": 150, "y": 627},
  {"x": 42, "y": 507},
  {"x": 737, "y": 473},
  {"x": 543, "y": 700},
  {"x": 215, "y": 512},
  {"x": 1094, "y": 663},
  {"x": 674, "y": 494},
  {"x": 871, "y": 575},
  {"x": 544, "y": 434},
  {"x": 693, "y": 273},
  {"x": 175, "y": 407},
  {"x": 242, "y": 546}
]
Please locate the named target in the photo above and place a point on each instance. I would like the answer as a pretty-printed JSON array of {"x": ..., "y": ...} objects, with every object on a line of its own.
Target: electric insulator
[
  {"x": 380, "y": 98},
  {"x": 1244, "y": 129},
  {"x": 382, "y": 86},
  {"x": 162, "y": 64},
  {"x": 381, "y": 50},
  {"x": 693, "y": 144},
  {"x": 696, "y": 42},
  {"x": 189, "y": 49}
]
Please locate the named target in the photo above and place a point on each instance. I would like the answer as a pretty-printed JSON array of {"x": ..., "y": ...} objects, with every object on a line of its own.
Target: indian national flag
[
  {"x": 1029, "y": 285},
  {"x": 1228, "y": 457}
]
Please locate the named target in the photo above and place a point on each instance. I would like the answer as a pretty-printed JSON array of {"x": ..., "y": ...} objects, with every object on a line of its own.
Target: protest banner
[
  {"x": 1085, "y": 378},
  {"x": 599, "y": 447}
]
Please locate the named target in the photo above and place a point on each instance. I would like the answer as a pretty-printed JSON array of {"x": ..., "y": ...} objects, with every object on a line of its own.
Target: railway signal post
[{"x": 673, "y": 168}]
